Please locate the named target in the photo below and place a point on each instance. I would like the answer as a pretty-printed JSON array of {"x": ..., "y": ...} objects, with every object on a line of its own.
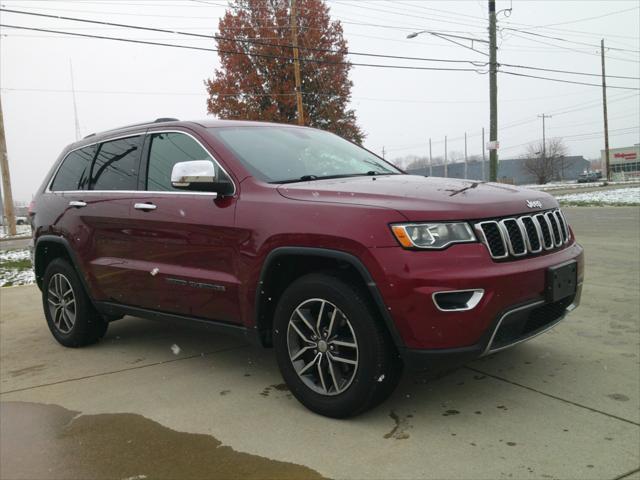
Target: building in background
[
  {"x": 624, "y": 162},
  {"x": 509, "y": 170}
]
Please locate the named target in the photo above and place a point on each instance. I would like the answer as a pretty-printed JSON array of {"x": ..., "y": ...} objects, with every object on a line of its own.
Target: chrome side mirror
[{"x": 194, "y": 174}]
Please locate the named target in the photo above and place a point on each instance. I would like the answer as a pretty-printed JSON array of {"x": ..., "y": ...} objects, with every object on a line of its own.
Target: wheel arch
[
  {"x": 50, "y": 247},
  {"x": 283, "y": 265}
]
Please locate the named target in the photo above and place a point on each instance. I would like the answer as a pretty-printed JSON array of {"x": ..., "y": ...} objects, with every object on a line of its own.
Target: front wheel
[{"x": 334, "y": 354}]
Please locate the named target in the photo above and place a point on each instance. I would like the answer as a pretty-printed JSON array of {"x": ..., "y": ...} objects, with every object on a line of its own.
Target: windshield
[{"x": 285, "y": 154}]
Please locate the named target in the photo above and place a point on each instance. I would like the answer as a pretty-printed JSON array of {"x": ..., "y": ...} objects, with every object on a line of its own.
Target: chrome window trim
[
  {"x": 552, "y": 218},
  {"x": 527, "y": 238},
  {"x": 502, "y": 224},
  {"x": 235, "y": 189},
  {"x": 48, "y": 189},
  {"x": 486, "y": 242},
  {"x": 478, "y": 294},
  {"x": 136, "y": 134}
]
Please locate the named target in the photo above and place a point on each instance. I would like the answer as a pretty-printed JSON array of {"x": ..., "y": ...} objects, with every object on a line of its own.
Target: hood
[{"x": 422, "y": 198}]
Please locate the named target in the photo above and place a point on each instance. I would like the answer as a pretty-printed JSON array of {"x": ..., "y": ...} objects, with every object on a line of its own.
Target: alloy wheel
[
  {"x": 62, "y": 303},
  {"x": 322, "y": 345}
]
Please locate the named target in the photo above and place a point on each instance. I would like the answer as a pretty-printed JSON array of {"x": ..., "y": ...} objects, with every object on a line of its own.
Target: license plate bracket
[{"x": 562, "y": 281}]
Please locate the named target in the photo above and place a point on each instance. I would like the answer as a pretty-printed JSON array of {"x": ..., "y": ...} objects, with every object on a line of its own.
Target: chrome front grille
[{"x": 524, "y": 235}]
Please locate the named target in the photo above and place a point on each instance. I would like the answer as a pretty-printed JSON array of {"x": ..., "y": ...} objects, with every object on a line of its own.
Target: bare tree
[{"x": 546, "y": 162}]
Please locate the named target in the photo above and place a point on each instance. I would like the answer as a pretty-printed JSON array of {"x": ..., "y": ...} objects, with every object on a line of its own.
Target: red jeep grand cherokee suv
[{"x": 302, "y": 241}]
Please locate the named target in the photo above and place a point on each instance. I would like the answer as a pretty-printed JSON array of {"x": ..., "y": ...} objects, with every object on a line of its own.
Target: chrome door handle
[
  {"x": 77, "y": 203},
  {"x": 144, "y": 206}
]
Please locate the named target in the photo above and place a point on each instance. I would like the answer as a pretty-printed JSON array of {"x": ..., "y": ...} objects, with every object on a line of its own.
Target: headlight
[{"x": 432, "y": 235}]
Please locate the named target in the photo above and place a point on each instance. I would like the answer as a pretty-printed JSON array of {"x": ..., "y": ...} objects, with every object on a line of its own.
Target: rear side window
[
  {"x": 73, "y": 174},
  {"x": 116, "y": 165},
  {"x": 165, "y": 151}
]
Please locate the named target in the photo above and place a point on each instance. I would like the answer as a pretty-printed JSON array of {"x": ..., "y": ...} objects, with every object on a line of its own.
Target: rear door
[
  {"x": 104, "y": 212},
  {"x": 184, "y": 242}
]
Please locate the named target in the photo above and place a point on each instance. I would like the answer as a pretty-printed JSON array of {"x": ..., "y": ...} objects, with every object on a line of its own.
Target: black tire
[
  {"x": 378, "y": 367},
  {"x": 88, "y": 326}
]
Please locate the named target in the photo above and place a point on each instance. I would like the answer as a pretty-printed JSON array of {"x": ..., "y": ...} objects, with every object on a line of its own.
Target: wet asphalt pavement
[{"x": 565, "y": 405}]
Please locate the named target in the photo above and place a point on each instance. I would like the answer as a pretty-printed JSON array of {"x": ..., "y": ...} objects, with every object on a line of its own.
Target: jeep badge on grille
[{"x": 534, "y": 204}]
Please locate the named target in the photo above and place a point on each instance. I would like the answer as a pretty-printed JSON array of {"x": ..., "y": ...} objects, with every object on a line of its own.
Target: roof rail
[{"x": 157, "y": 120}]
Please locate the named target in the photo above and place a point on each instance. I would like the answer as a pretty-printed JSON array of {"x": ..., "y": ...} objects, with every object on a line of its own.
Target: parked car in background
[
  {"x": 588, "y": 177},
  {"x": 301, "y": 241}
]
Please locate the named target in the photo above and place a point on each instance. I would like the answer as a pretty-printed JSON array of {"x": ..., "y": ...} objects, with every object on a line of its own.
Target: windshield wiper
[
  {"x": 464, "y": 189},
  {"x": 309, "y": 178}
]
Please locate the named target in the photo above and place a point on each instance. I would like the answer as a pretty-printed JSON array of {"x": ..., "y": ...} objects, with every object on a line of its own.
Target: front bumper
[
  {"x": 514, "y": 326},
  {"x": 407, "y": 281}
]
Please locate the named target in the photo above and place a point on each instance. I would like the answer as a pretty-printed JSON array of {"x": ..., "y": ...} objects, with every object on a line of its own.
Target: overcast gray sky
[{"x": 119, "y": 83}]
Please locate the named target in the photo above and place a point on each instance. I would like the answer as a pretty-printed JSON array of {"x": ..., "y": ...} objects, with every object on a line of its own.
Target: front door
[{"x": 185, "y": 243}]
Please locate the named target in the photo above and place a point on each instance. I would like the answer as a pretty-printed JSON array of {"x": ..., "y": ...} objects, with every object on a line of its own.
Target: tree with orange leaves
[{"x": 255, "y": 80}]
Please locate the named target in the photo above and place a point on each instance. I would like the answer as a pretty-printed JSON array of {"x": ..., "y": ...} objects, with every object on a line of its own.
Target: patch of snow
[
  {"x": 21, "y": 230},
  {"x": 175, "y": 349},
  {"x": 14, "y": 255},
  {"x": 626, "y": 196},
  {"x": 154, "y": 272},
  {"x": 574, "y": 185},
  {"x": 9, "y": 275},
  {"x": 16, "y": 277}
]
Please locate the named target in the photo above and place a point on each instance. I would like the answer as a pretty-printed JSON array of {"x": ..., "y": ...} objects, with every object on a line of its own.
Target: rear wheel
[
  {"x": 71, "y": 317},
  {"x": 335, "y": 356}
]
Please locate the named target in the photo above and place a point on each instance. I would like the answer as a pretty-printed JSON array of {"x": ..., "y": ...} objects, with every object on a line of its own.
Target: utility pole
[
  {"x": 465, "y": 156},
  {"x": 383, "y": 152},
  {"x": 6, "y": 179},
  {"x": 296, "y": 62},
  {"x": 75, "y": 107},
  {"x": 483, "y": 156},
  {"x": 604, "y": 111},
  {"x": 544, "y": 135},
  {"x": 493, "y": 93},
  {"x": 445, "y": 156},
  {"x": 430, "y": 160}
]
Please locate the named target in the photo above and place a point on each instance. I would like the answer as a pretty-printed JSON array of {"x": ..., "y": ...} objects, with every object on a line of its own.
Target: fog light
[{"x": 457, "y": 300}]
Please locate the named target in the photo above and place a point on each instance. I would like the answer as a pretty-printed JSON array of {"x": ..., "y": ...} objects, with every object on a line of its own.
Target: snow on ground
[
  {"x": 22, "y": 230},
  {"x": 15, "y": 268},
  {"x": 575, "y": 185},
  {"x": 620, "y": 196}
]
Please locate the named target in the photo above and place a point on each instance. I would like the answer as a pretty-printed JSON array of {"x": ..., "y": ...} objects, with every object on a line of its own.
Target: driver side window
[{"x": 167, "y": 149}]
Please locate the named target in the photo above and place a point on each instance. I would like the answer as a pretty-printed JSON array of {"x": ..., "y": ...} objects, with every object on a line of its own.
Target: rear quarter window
[{"x": 73, "y": 174}]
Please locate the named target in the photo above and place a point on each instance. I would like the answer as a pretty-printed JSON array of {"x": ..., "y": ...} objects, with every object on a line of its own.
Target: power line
[
  {"x": 573, "y": 49},
  {"x": 233, "y": 39},
  {"x": 560, "y": 39},
  {"x": 588, "y": 18},
  {"x": 564, "y": 81},
  {"x": 567, "y": 71},
  {"x": 259, "y": 55},
  {"x": 324, "y": 50}
]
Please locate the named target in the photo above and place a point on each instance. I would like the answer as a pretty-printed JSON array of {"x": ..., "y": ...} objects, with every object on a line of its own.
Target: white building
[{"x": 624, "y": 162}]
